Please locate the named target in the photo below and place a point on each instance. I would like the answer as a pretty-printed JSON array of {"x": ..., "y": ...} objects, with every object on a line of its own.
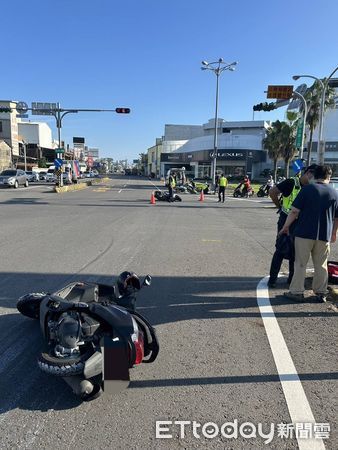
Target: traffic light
[
  {"x": 264, "y": 106},
  {"x": 122, "y": 110},
  {"x": 5, "y": 110}
]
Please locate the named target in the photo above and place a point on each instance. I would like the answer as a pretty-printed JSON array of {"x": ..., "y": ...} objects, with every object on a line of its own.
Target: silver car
[{"x": 13, "y": 178}]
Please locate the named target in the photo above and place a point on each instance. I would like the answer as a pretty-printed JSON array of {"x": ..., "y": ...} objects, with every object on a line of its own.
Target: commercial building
[
  {"x": 154, "y": 159},
  {"x": 9, "y": 126},
  {"x": 5, "y": 155},
  {"x": 36, "y": 133},
  {"x": 240, "y": 148}
]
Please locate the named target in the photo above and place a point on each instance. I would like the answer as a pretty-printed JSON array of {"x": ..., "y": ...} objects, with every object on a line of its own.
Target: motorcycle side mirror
[{"x": 147, "y": 281}]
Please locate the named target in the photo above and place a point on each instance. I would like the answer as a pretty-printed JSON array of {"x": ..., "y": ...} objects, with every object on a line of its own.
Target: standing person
[
  {"x": 216, "y": 183},
  {"x": 289, "y": 189},
  {"x": 223, "y": 182},
  {"x": 269, "y": 184},
  {"x": 171, "y": 185},
  {"x": 316, "y": 211}
]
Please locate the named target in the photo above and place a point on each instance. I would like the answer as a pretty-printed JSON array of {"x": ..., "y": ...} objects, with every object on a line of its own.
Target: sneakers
[
  {"x": 321, "y": 298},
  {"x": 296, "y": 297}
]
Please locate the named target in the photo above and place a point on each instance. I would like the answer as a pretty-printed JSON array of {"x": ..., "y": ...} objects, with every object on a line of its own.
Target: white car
[{"x": 32, "y": 176}]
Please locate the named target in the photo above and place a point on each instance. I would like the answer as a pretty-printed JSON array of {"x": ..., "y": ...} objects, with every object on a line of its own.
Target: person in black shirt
[
  {"x": 315, "y": 214},
  {"x": 288, "y": 190}
]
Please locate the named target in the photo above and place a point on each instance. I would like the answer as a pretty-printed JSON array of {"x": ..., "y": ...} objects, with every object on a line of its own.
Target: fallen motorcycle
[
  {"x": 92, "y": 333},
  {"x": 163, "y": 196},
  {"x": 263, "y": 191}
]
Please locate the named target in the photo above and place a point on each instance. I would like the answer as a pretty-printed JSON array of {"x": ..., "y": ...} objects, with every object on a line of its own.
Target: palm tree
[
  {"x": 313, "y": 99},
  {"x": 287, "y": 139},
  {"x": 272, "y": 145}
]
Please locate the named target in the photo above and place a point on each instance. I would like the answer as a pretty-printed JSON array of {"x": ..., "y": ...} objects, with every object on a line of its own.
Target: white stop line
[{"x": 298, "y": 405}]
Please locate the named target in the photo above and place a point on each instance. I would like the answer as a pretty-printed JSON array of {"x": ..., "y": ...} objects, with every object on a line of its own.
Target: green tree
[
  {"x": 287, "y": 139},
  {"x": 271, "y": 143},
  {"x": 42, "y": 162},
  {"x": 313, "y": 99}
]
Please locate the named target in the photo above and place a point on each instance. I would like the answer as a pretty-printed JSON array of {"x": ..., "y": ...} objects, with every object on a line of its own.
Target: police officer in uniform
[
  {"x": 222, "y": 183},
  {"x": 289, "y": 190}
]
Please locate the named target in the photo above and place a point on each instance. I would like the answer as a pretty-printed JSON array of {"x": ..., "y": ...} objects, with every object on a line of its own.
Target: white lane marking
[
  {"x": 120, "y": 191},
  {"x": 297, "y": 402}
]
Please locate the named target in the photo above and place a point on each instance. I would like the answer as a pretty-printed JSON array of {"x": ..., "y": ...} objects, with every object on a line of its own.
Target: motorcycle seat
[{"x": 84, "y": 293}]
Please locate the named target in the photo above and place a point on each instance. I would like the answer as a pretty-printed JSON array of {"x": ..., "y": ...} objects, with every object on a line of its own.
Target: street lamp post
[
  {"x": 217, "y": 67},
  {"x": 320, "y": 153},
  {"x": 321, "y": 145}
]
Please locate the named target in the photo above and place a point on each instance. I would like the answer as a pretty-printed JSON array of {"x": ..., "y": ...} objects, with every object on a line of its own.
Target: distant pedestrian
[
  {"x": 216, "y": 183},
  {"x": 288, "y": 189},
  {"x": 223, "y": 182},
  {"x": 269, "y": 184},
  {"x": 171, "y": 185},
  {"x": 315, "y": 211},
  {"x": 246, "y": 185}
]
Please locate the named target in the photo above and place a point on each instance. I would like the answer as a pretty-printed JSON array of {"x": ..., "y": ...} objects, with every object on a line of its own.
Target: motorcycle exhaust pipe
[{"x": 79, "y": 385}]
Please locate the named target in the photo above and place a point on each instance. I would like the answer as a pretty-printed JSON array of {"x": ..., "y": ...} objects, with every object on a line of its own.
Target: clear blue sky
[{"x": 146, "y": 54}]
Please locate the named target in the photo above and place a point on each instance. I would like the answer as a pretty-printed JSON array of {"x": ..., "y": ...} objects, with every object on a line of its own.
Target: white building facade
[
  {"x": 38, "y": 133},
  {"x": 239, "y": 148}
]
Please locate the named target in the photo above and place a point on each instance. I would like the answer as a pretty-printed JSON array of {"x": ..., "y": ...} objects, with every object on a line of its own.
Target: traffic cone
[
  {"x": 152, "y": 199},
  {"x": 202, "y": 196}
]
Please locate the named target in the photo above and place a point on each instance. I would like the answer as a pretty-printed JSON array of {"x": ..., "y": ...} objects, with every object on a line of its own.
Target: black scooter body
[{"x": 76, "y": 321}]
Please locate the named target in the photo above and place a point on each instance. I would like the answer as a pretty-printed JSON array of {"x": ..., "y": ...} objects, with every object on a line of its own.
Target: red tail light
[
  {"x": 333, "y": 269},
  {"x": 138, "y": 341},
  {"x": 139, "y": 347}
]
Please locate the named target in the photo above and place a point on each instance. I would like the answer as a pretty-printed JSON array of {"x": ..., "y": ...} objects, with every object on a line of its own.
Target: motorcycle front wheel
[{"x": 29, "y": 305}]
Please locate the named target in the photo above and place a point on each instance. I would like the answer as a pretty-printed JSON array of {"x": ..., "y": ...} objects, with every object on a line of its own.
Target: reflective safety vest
[
  {"x": 287, "y": 201},
  {"x": 223, "y": 181},
  {"x": 172, "y": 181}
]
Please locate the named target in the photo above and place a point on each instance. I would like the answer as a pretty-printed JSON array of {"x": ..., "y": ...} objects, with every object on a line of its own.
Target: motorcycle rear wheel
[{"x": 62, "y": 367}]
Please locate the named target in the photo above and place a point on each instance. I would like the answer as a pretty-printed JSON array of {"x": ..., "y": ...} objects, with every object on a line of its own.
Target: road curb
[
  {"x": 73, "y": 187},
  {"x": 79, "y": 186}
]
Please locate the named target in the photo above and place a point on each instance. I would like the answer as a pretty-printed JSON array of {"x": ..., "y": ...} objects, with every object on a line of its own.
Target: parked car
[
  {"x": 51, "y": 177},
  {"x": 42, "y": 175},
  {"x": 13, "y": 178},
  {"x": 32, "y": 176}
]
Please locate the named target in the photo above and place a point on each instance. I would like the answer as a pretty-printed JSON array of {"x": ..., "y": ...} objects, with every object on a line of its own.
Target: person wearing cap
[
  {"x": 283, "y": 195},
  {"x": 315, "y": 215}
]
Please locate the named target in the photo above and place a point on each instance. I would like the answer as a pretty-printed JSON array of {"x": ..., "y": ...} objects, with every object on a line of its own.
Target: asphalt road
[{"x": 222, "y": 357}]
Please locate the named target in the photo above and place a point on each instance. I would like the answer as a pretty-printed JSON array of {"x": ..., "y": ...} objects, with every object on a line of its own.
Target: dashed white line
[{"x": 297, "y": 402}]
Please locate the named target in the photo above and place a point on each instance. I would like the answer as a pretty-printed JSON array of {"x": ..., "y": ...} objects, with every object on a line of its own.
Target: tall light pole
[
  {"x": 321, "y": 145},
  {"x": 217, "y": 67}
]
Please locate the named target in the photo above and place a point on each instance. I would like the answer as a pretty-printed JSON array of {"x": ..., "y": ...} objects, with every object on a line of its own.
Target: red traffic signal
[{"x": 122, "y": 110}]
